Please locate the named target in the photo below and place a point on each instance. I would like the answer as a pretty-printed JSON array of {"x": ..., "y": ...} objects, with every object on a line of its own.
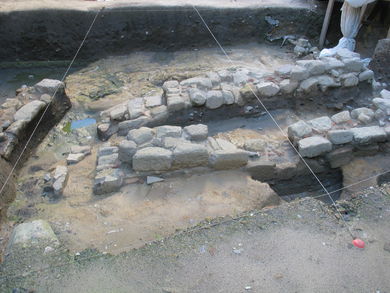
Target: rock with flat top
[
  {"x": 152, "y": 159},
  {"x": 321, "y": 124},
  {"x": 228, "y": 159},
  {"x": 267, "y": 89},
  {"x": 368, "y": 135},
  {"x": 299, "y": 130},
  {"x": 314, "y": 146},
  {"x": 341, "y": 117},
  {"x": 127, "y": 150},
  {"x": 141, "y": 135},
  {"x": 197, "y": 132},
  {"x": 189, "y": 155},
  {"x": 74, "y": 158},
  {"x": 49, "y": 86},
  {"x": 37, "y": 233},
  {"x": 29, "y": 111},
  {"x": 314, "y": 67},
  {"x": 107, "y": 181}
]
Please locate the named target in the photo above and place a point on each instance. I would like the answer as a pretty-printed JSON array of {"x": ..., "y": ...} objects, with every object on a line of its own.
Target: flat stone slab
[
  {"x": 314, "y": 146},
  {"x": 49, "y": 86},
  {"x": 152, "y": 159},
  {"x": 36, "y": 233},
  {"x": 299, "y": 129},
  {"x": 367, "y": 135},
  {"x": 74, "y": 158},
  {"x": 321, "y": 123}
]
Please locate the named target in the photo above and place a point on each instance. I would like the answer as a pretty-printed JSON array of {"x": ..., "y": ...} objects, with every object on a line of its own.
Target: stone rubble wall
[
  {"x": 20, "y": 115},
  {"x": 337, "y": 139},
  {"x": 234, "y": 89},
  {"x": 148, "y": 151}
]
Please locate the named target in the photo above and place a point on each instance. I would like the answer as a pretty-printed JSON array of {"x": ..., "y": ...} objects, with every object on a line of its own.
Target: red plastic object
[{"x": 358, "y": 243}]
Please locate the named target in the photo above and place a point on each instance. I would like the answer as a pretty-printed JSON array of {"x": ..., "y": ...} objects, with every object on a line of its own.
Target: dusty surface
[
  {"x": 10, "y": 5},
  {"x": 298, "y": 247}
]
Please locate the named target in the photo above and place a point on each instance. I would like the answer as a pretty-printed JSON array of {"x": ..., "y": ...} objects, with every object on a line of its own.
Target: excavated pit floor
[{"x": 139, "y": 213}]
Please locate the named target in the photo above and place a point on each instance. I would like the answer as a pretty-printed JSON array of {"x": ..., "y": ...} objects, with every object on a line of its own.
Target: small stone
[
  {"x": 214, "y": 77},
  {"x": 60, "y": 179},
  {"x": 365, "y": 118},
  {"x": 300, "y": 51},
  {"x": 175, "y": 103},
  {"x": 141, "y": 135},
  {"x": 197, "y": 97},
  {"x": 170, "y": 84},
  {"x": 189, "y": 155},
  {"x": 380, "y": 115},
  {"x": 299, "y": 73},
  {"x": 288, "y": 86},
  {"x": 345, "y": 53},
  {"x": 321, "y": 124},
  {"x": 74, "y": 158},
  {"x": 111, "y": 161},
  {"x": 340, "y": 136},
  {"x": 214, "y": 100},
  {"x": 368, "y": 135},
  {"x": 385, "y": 94},
  {"x": 105, "y": 130},
  {"x": 366, "y": 75},
  {"x": 107, "y": 181},
  {"x": 341, "y": 117},
  {"x": 309, "y": 85},
  {"x": 332, "y": 63},
  {"x": 284, "y": 71},
  {"x": 127, "y": 150},
  {"x": 77, "y": 149},
  {"x": 154, "y": 101},
  {"x": 118, "y": 112},
  {"x": 267, "y": 89},
  {"x": 240, "y": 77},
  {"x": 153, "y": 179},
  {"x": 228, "y": 97},
  {"x": 314, "y": 146},
  {"x": 349, "y": 80},
  {"x": 196, "y": 132},
  {"x": 49, "y": 86},
  {"x": 314, "y": 67},
  {"x": 136, "y": 108},
  {"x": 366, "y": 111},
  {"x": 199, "y": 82},
  {"x": 298, "y": 130},
  {"x": 152, "y": 159},
  {"x": 168, "y": 130},
  {"x": 352, "y": 64},
  {"x": 107, "y": 150},
  {"x": 261, "y": 170},
  {"x": 383, "y": 104},
  {"x": 125, "y": 126}
]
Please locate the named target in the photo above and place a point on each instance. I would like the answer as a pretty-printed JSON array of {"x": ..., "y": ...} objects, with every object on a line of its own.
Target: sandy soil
[
  {"x": 298, "y": 247},
  {"x": 11, "y": 5}
]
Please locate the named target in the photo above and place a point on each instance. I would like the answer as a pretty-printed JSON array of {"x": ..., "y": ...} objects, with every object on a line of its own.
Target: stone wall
[
  {"x": 20, "y": 115},
  {"x": 363, "y": 131},
  {"x": 231, "y": 92}
]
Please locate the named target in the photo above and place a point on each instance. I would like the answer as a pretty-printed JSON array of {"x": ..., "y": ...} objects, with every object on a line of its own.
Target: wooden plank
[{"x": 325, "y": 25}]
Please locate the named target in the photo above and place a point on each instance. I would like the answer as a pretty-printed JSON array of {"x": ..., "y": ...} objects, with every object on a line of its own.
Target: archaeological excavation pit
[{"x": 173, "y": 115}]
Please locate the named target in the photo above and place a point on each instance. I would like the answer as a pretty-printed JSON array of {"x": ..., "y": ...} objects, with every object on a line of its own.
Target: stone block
[
  {"x": 368, "y": 135},
  {"x": 168, "y": 131},
  {"x": 214, "y": 99},
  {"x": 187, "y": 155},
  {"x": 366, "y": 75},
  {"x": 175, "y": 103},
  {"x": 152, "y": 159},
  {"x": 321, "y": 124},
  {"x": 199, "y": 82},
  {"x": 267, "y": 89},
  {"x": 349, "y": 80},
  {"x": 141, "y": 135},
  {"x": 125, "y": 126},
  {"x": 299, "y": 73},
  {"x": 49, "y": 86},
  {"x": 340, "y": 157},
  {"x": 197, "y": 97},
  {"x": 29, "y": 111},
  {"x": 366, "y": 111},
  {"x": 107, "y": 181},
  {"x": 288, "y": 86},
  {"x": 136, "y": 108},
  {"x": 228, "y": 159},
  {"x": 298, "y": 130},
  {"x": 340, "y": 136},
  {"x": 261, "y": 170},
  {"x": 119, "y": 112},
  {"x": 309, "y": 85},
  {"x": 341, "y": 117},
  {"x": 127, "y": 150},
  {"x": 314, "y": 146},
  {"x": 314, "y": 67},
  {"x": 197, "y": 132},
  {"x": 74, "y": 158}
]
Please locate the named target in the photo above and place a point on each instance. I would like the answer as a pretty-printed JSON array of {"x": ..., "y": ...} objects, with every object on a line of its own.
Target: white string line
[
  {"x": 353, "y": 184},
  {"x": 48, "y": 105},
  {"x": 276, "y": 123}
]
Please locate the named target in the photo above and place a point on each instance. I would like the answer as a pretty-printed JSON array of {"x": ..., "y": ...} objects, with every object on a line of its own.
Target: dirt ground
[
  {"x": 11, "y": 5},
  {"x": 296, "y": 247}
]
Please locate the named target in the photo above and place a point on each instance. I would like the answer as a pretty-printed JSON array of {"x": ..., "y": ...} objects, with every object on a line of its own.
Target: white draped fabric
[{"x": 350, "y": 25}]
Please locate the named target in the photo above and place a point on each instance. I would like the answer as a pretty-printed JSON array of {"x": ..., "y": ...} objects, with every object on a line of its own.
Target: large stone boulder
[
  {"x": 37, "y": 233},
  {"x": 152, "y": 159},
  {"x": 49, "y": 86}
]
